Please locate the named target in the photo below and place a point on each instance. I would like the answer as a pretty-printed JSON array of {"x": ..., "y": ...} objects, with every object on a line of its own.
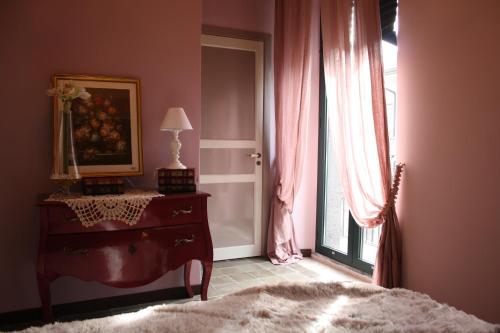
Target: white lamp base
[
  {"x": 175, "y": 145},
  {"x": 176, "y": 165}
]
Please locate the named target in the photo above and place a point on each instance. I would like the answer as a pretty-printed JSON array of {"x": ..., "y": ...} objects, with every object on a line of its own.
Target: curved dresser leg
[
  {"x": 207, "y": 272},
  {"x": 187, "y": 280},
  {"x": 42, "y": 277},
  {"x": 44, "y": 291}
]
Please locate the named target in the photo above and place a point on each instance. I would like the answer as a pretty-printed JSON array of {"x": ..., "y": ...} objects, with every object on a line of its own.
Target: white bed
[{"x": 305, "y": 307}]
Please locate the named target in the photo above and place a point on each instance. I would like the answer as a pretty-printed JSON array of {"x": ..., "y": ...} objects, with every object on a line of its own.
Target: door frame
[{"x": 267, "y": 120}]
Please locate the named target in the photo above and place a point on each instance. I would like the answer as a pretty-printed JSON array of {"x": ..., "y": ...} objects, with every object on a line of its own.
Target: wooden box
[
  {"x": 103, "y": 185},
  {"x": 176, "y": 180}
]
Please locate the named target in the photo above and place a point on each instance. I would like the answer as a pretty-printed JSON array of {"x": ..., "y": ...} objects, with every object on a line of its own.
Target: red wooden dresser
[{"x": 172, "y": 231}]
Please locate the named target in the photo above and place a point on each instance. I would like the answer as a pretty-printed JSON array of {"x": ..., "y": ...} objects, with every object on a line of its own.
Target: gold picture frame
[{"x": 107, "y": 127}]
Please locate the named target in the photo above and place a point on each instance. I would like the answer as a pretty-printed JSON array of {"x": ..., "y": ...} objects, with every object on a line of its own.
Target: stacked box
[
  {"x": 103, "y": 185},
  {"x": 176, "y": 180}
]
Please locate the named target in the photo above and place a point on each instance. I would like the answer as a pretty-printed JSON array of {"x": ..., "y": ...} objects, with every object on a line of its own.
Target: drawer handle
[
  {"x": 71, "y": 219},
  {"x": 182, "y": 211},
  {"x": 182, "y": 241},
  {"x": 75, "y": 252},
  {"x": 132, "y": 249}
]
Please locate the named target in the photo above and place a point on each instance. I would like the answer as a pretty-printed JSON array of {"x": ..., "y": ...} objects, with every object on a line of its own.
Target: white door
[{"x": 231, "y": 143}]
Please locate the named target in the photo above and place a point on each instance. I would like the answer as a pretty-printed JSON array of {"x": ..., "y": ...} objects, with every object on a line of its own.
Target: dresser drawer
[
  {"x": 158, "y": 213},
  {"x": 125, "y": 258},
  {"x": 164, "y": 212}
]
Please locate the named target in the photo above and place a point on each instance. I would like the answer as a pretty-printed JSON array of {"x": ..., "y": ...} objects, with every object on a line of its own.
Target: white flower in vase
[
  {"x": 68, "y": 91},
  {"x": 65, "y": 169}
]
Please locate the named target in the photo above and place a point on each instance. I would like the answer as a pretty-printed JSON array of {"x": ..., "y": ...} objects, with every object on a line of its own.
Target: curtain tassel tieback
[{"x": 391, "y": 201}]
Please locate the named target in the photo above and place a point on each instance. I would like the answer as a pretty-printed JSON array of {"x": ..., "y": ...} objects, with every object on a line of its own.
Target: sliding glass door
[{"x": 338, "y": 236}]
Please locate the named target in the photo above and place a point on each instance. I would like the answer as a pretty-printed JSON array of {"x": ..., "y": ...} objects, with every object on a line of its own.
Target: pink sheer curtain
[
  {"x": 293, "y": 76},
  {"x": 356, "y": 107}
]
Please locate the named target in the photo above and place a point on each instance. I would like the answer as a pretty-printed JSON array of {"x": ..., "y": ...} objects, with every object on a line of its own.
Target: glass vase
[{"x": 65, "y": 166}]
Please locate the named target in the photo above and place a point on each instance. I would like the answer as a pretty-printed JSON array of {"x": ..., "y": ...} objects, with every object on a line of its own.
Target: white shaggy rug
[{"x": 314, "y": 307}]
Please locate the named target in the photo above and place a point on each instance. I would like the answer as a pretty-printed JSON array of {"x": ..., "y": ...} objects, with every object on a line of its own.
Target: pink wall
[
  {"x": 250, "y": 15},
  {"x": 449, "y": 136},
  {"x": 158, "y": 43}
]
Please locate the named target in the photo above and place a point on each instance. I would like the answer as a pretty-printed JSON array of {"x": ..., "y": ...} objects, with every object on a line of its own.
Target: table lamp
[{"x": 175, "y": 121}]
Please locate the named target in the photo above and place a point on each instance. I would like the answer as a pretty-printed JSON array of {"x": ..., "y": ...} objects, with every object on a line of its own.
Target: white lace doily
[{"x": 90, "y": 210}]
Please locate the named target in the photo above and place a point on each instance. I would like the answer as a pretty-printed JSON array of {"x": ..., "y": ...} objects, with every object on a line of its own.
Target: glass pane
[
  {"x": 336, "y": 231},
  {"x": 390, "y": 82},
  {"x": 369, "y": 244},
  {"x": 226, "y": 161},
  {"x": 228, "y": 94},
  {"x": 231, "y": 213}
]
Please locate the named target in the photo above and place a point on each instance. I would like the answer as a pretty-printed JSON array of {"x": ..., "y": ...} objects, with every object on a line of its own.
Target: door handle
[{"x": 256, "y": 155}]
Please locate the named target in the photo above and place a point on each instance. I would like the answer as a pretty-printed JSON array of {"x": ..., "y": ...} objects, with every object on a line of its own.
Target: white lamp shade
[{"x": 175, "y": 119}]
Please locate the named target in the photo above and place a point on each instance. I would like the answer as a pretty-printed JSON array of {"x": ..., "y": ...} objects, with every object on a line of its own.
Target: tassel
[{"x": 391, "y": 201}]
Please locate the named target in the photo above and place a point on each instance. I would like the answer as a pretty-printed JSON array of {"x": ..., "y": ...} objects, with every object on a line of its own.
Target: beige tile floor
[
  {"x": 229, "y": 276},
  {"x": 232, "y": 275}
]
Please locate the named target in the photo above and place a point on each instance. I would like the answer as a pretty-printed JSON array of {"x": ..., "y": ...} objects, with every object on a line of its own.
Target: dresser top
[{"x": 173, "y": 196}]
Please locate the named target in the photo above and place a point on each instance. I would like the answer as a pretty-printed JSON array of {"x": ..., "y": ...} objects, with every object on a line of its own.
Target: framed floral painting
[{"x": 106, "y": 126}]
